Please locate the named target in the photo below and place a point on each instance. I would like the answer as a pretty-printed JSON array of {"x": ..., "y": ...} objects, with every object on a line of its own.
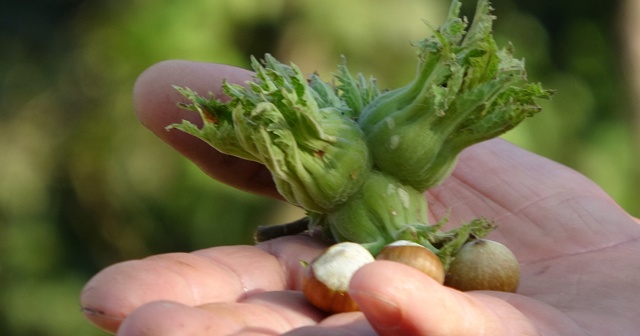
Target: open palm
[{"x": 578, "y": 252}]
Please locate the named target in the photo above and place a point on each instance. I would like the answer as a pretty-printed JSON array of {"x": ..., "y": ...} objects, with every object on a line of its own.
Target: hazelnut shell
[{"x": 416, "y": 256}]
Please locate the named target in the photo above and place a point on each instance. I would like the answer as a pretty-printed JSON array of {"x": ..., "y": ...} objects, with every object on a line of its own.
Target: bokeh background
[{"x": 83, "y": 185}]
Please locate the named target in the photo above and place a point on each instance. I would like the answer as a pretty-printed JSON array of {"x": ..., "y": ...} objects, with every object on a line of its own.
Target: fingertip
[
  {"x": 144, "y": 90},
  {"x": 152, "y": 84},
  {"x": 400, "y": 300},
  {"x": 155, "y": 98},
  {"x": 155, "y": 102},
  {"x": 99, "y": 301},
  {"x": 381, "y": 288},
  {"x": 102, "y": 319}
]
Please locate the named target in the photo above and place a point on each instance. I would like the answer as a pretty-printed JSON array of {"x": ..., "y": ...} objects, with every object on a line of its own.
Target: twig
[{"x": 268, "y": 232}]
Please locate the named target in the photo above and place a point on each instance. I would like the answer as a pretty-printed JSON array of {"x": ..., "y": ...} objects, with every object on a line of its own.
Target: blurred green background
[{"x": 83, "y": 185}]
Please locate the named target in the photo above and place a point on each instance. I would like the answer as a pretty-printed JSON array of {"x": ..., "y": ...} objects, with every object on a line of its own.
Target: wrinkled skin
[{"x": 578, "y": 252}]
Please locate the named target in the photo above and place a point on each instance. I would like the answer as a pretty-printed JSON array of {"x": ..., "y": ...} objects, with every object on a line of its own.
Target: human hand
[{"x": 577, "y": 249}]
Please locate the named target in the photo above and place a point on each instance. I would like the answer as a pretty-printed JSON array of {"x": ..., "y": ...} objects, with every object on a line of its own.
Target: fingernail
[{"x": 381, "y": 312}]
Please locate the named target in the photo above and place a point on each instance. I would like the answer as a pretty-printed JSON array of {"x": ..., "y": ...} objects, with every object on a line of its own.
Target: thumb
[{"x": 399, "y": 300}]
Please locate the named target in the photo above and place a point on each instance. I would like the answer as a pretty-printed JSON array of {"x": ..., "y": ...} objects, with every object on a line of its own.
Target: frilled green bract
[
  {"x": 302, "y": 132},
  {"x": 358, "y": 160},
  {"x": 466, "y": 90}
]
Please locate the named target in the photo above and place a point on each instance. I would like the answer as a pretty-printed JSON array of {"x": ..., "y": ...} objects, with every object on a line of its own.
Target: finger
[
  {"x": 399, "y": 300},
  {"x": 190, "y": 279},
  {"x": 272, "y": 313},
  {"x": 220, "y": 274},
  {"x": 155, "y": 102}
]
